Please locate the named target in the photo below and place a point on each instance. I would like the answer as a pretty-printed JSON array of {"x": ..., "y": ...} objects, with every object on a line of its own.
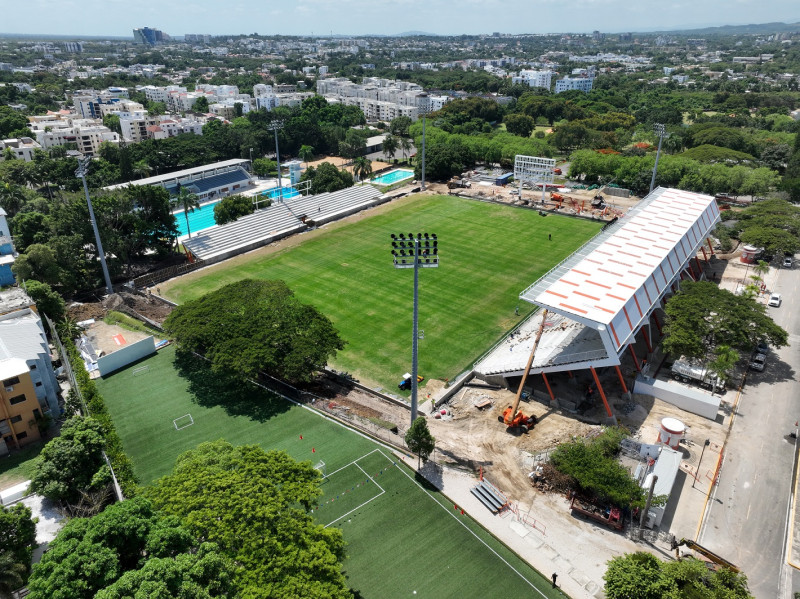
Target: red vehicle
[
  {"x": 557, "y": 171},
  {"x": 610, "y": 516}
]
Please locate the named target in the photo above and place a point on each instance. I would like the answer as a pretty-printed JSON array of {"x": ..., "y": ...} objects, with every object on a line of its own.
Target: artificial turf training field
[
  {"x": 489, "y": 253},
  {"x": 401, "y": 537}
]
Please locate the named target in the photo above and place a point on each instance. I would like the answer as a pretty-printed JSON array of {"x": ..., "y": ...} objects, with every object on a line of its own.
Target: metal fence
[{"x": 73, "y": 382}]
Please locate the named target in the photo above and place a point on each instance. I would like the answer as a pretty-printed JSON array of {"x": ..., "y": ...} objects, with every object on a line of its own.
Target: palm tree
[
  {"x": 389, "y": 146},
  {"x": 11, "y": 573},
  {"x": 405, "y": 145},
  {"x": 306, "y": 153},
  {"x": 12, "y": 197},
  {"x": 362, "y": 167},
  {"x": 761, "y": 268},
  {"x": 188, "y": 202},
  {"x": 141, "y": 169}
]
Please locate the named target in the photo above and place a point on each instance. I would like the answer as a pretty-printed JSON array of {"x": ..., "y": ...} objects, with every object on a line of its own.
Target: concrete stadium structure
[{"x": 610, "y": 292}]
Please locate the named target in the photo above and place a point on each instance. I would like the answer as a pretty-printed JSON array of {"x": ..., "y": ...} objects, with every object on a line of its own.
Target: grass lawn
[
  {"x": 17, "y": 466},
  {"x": 402, "y": 536},
  {"x": 489, "y": 253}
]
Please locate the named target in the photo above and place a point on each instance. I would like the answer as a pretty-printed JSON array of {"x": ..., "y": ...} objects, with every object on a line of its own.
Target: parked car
[
  {"x": 788, "y": 262},
  {"x": 775, "y": 300},
  {"x": 758, "y": 362},
  {"x": 761, "y": 348}
]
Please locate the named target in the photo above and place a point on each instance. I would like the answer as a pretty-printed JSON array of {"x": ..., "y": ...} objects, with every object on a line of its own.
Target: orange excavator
[{"x": 518, "y": 420}]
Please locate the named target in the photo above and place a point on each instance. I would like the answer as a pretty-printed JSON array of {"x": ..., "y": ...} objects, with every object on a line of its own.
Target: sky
[{"x": 363, "y": 17}]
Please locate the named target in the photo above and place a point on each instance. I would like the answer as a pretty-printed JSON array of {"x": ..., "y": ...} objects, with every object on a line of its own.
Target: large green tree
[
  {"x": 129, "y": 550},
  {"x": 255, "y": 505},
  {"x": 232, "y": 208},
  {"x": 17, "y": 536},
  {"x": 47, "y": 300},
  {"x": 252, "y": 326},
  {"x": 420, "y": 440},
  {"x": 72, "y": 462},
  {"x": 641, "y": 575},
  {"x": 702, "y": 316}
]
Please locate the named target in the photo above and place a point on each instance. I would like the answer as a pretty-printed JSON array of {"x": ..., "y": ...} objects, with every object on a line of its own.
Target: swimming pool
[
  {"x": 288, "y": 192},
  {"x": 392, "y": 177},
  {"x": 199, "y": 219}
]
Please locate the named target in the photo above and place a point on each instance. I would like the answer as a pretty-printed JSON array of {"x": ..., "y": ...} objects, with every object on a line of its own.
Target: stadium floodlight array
[
  {"x": 425, "y": 247},
  {"x": 415, "y": 251},
  {"x": 660, "y": 130}
]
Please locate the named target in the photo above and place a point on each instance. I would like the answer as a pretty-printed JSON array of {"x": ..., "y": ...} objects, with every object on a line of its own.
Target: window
[
  {"x": 15, "y": 419},
  {"x": 33, "y": 366},
  {"x": 22, "y": 435},
  {"x": 37, "y": 413},
  {"x": 39, "y": 384},
  {"x": 17, "y": 399},
  {"x": 11, "y": 382}
]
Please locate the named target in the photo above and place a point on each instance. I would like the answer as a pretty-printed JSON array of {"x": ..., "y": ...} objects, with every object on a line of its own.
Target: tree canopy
[
  {"x": 419, "y": 438},
  {"x": 326, "y": 178},
  {"x": 255, "y": 505},
  {"x": 641, "y": 575},
  {"x": 233, "y": 208},
  {"x": 595, "y": 470},
  {"x": 129, "y": 550},
  {"x": 252, "y": 326},
  {"x": 17, "y": 535},
  {"x": 772, "y": 224},
  {"x": 72, "y": 462},
  {"x": 702, "y": 317}
]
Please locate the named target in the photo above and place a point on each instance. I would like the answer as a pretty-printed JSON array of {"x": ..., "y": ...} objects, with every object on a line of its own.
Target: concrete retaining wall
[
  {"x": 126, "y": 355},
  {"x": 692, "y": 400}
]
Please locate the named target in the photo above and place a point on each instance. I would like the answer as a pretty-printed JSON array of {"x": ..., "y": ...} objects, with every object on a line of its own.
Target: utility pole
[
  {"x": 647, "y": 506},
  {"x": 83, "y": 167}
]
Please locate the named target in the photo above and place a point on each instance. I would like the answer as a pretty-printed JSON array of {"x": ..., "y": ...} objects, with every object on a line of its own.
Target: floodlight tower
[
  {"x": 424, "y": 110},
  {"x": 661, "y": 131},
  {"x": 417, "y": 252},
  {"x": 276, "y": 126},
  {"x": 83, "y": 167}
]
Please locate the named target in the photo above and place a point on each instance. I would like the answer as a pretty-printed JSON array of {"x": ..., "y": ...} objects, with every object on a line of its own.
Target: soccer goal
[
  {"x": 321, "y": 467},
  {"x": 141, "y": 370},
  {"x": 182, "y": 422}
]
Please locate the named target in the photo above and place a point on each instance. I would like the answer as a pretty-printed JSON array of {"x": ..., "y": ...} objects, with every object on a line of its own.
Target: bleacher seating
[
  {"x": 490, "y": 496},
  {"x": 278, "y": 221},
  {"x": 200, "y": 186}
]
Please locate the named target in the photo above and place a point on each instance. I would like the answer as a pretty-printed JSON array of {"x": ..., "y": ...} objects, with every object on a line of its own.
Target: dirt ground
[
  {"x": 149, "y": 307},
  {"x": 340, "y": 162}
]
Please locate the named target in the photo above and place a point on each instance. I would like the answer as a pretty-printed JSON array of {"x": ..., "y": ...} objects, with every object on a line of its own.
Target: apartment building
[
  {"x": 381, "y": 99},
  {"x": 22, "y": 148},
  {"x": 29, "y": 387},
  {"x": 583, "y": 84},
  {"x": 86, "y": 134}
]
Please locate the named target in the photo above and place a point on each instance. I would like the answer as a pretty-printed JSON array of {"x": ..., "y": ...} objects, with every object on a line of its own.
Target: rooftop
[
  {"x": 189, "y": 172},
  {"x": 13, "y": 299}
]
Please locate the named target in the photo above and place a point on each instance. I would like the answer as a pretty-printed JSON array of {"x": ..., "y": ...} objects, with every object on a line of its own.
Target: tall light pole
[
  {"x": 706, "y": 443},
  {"x": 417, "y": 252},
  {"x": 424, "y": 111},
  {"x": 661, "y": 131},
  {"x": 83, "y": 166},
  {"x": 275, "y": 126}
]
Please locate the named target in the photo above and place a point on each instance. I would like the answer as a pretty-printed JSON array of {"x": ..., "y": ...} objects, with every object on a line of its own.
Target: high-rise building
[{"x": 149, "y": 36}]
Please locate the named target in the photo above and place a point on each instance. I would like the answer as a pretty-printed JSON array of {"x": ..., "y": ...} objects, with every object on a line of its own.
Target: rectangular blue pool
[
  {"x": 199, "y": 219},
  {"x": 392, "y": 177}
]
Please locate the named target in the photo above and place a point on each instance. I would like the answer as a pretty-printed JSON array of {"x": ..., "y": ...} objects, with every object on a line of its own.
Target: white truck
[{"x": 694, "y": 370}]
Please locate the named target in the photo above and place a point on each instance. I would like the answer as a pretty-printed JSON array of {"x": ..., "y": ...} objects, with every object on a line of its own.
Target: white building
[
  {"x": 533, "y": 78},
  {"x": 86, "y": 134},
  {"x": 22, "y": 148},
  {"x": 569, "y": 83}
]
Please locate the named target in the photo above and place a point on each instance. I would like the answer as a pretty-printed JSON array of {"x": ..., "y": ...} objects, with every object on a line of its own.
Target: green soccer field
[
  {"x": 402, "y": 537},
  {"x": 489, "y": 253}
]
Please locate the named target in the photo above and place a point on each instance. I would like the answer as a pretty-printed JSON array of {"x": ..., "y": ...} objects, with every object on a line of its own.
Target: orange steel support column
[
  {"x": 621, "y": 379},
  {"x": 547, "y": 384},
  {"x": 647, "y": 340},
  {"x": 635, "y": 359},
  {"x": 602, "y": 393},
  {"x": 710, "y": 249},
  {"x": 699, "y": 268},
  {"x": 658, "y": 324},
  {"x": 569, "y": 372},
  {"x": 705, "y": 256}
]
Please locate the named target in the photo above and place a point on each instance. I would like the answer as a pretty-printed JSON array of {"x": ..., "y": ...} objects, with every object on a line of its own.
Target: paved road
[{"x": 747, "y": 518}]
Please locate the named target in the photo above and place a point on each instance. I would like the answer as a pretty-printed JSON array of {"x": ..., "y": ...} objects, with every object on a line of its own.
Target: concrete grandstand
[
  {"x": 610, "y": 292},
  {"x": 206, "y": 182},
  {"x": 278, "y": 221}
]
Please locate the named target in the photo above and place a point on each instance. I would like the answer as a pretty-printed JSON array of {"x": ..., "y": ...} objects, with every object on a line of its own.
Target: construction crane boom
[
  {"x": 705, "y": 553},
  {"x": 528, "y": 366}
]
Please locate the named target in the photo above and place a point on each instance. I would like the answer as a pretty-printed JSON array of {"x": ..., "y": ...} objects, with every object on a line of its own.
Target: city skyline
[{"x": 380, "y": 17}]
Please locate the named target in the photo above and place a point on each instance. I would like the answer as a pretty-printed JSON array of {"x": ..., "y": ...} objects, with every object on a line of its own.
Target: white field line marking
[
  {"x": 353, "y": 462},
  {"x": 358, "y": 507},
  {"x": 474, "y": 535}
]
